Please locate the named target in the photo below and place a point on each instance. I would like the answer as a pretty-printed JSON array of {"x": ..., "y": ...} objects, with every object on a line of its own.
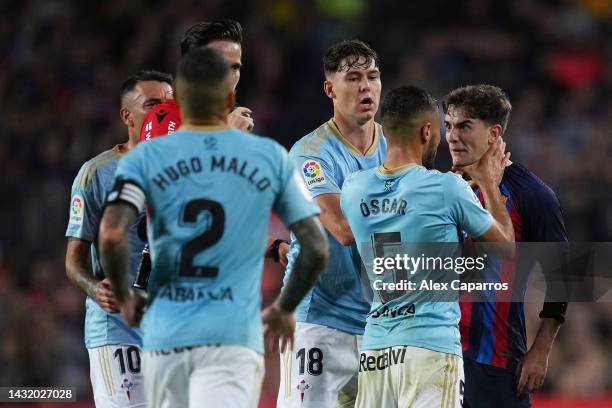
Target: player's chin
[{"x": 365, "y": 117}]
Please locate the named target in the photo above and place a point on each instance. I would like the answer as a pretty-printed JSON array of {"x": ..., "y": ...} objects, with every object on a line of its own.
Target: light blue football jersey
[
  {"x": 419, "y": 206},
  {"x": 209, "y": 195},
  {"x": 325, "y": 159},
  {"x": 89, "y": 190}
]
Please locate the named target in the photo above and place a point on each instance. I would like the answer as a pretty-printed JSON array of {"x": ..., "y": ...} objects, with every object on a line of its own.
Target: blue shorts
[{"x": 487, "y": 386}]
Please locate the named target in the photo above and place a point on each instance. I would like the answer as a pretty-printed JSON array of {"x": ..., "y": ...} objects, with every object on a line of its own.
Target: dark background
[{"x": 63, "y": 62}]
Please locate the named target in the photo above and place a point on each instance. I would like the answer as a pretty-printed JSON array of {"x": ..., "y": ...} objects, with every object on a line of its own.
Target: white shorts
[
  {"x": 116, "y": 377},
  {"x": 321, "y": 371},
  {"x": 204, "y": 376},
  {"x": 414, "y": 377}
]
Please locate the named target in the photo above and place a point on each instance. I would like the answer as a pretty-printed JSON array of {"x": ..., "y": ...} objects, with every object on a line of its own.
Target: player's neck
[
  {"x": 399, "y": 156},
  {"x": 360, "y": 136},
  {"x": 213, "y": 121},
  {"x": 132, "y": 141}
]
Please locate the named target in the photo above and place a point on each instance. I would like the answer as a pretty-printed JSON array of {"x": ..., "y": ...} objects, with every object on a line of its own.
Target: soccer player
[
  {"x": 209, "y": 190},
  {"x": 412, "y": 352},
  {"x": 322, "y": 369},
  {"x": 114, "y": 348},
  {"x": 224, "y": 36},
  {"x": 499, "y": 369}
]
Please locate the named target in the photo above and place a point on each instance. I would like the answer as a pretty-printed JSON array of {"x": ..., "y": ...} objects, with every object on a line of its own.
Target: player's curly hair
[
  {"x": 346, "y": 54},
  {"x": 205, "y": 32},
  {"x": 485, "y": 102}
]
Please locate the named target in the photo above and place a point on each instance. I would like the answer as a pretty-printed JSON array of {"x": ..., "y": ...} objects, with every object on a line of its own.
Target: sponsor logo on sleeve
[
  {"x": 77, "y": 207},
  {"x": 313, "y": 174}
]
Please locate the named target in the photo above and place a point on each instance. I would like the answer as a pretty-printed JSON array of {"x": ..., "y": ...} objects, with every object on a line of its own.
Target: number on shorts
[
  {"x": 315, "y": 360},
  {"x": 132, "y": 356}
]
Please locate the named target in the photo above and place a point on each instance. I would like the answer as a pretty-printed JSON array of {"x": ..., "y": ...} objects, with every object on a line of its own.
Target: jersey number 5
[
  {"x": 215, "y": 222},
  {"x": 391, "y": 241}
]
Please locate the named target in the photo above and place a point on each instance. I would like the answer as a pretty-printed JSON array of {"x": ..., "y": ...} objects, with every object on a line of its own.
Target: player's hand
[
  {"x": 104, "y": 296},
  {"x": 531, "y": 371},
  {"x": 133, "y": 307},
  {"x": 283, "y": 250},
  {"x": 490, "y": 168},
  {"x": 241, "y": 118},
  {"x": 278, "y": 326}
]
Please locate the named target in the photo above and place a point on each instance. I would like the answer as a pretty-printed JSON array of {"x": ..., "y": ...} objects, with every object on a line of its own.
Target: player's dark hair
[
  {"x": 143, "y": 75},
  {"x": 402, "y": 106},
  {"x": 485, "y": 102},
  {"x": 202, "y": 74},
  {"x": 347, "y": 54},
  {"x": 203, "y": 33}
]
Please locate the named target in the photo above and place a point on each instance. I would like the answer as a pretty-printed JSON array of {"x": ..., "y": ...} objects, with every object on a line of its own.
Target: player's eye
[
  {"x": 447, "y": 125},
  {"x": 236, "y": 67}
]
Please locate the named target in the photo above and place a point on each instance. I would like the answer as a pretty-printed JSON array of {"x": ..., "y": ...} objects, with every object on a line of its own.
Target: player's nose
[{"x": 452, "y": 135}]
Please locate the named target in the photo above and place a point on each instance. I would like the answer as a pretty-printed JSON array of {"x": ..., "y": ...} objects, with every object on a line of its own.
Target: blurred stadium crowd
[{"x": 63, "y": 62}]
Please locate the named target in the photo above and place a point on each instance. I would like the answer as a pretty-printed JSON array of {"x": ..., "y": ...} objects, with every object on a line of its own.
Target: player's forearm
[
  {"x": 308, "y": 265},
  {"x": 115, "y": 254},
  {"x": 77, "y": 265},
  {"x": 339, "y": 228},
  {"x": 79, "y": 274},
  {"x": 549, "y": 327},
  {"x": 497, "y": 208}
]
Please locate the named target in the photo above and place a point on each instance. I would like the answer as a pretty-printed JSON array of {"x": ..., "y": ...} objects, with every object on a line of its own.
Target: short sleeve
[
  {"x": 317, "y": 171},
  {"x": 85, "y": 206},
  {"x": 465, "y": 208},
  {"x": 293, "y": 202}
]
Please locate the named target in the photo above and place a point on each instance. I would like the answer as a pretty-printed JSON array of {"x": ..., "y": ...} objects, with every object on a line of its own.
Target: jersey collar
[
  {"x": 371, "y": 150},
  {"x": 396, "y": 170}
]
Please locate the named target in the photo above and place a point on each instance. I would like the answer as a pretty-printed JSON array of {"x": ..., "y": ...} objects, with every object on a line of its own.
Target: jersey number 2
[{"x": 215, "y": 224}]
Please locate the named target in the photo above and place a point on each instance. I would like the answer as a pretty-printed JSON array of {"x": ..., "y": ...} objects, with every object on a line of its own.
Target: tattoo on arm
[{"x": 78, "y": 266}]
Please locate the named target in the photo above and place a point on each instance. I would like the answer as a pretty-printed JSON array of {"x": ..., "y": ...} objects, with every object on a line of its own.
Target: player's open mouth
[{"x": 366, "y": 102}]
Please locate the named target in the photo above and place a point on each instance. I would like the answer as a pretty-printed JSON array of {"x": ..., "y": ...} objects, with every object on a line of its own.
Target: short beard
[{"x": 429, "y": 159}]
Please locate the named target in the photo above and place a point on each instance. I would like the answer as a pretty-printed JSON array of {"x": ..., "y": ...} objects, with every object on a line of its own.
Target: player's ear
[
  {"x": 126, "y": 117},
  {"x": 495, "y": 131},
  {"x": 328, "y": 88},
  {"x": 426, "y": 133}
]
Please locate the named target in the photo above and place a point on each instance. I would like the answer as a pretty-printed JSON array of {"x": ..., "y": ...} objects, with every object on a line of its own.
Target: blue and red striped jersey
[{"x": 493, "y": 331}]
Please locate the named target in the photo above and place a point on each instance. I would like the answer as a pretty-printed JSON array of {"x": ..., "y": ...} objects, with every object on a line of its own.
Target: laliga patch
[
  {"x": 77, "y": 208},
  {"x": 313, "y": 174}
]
